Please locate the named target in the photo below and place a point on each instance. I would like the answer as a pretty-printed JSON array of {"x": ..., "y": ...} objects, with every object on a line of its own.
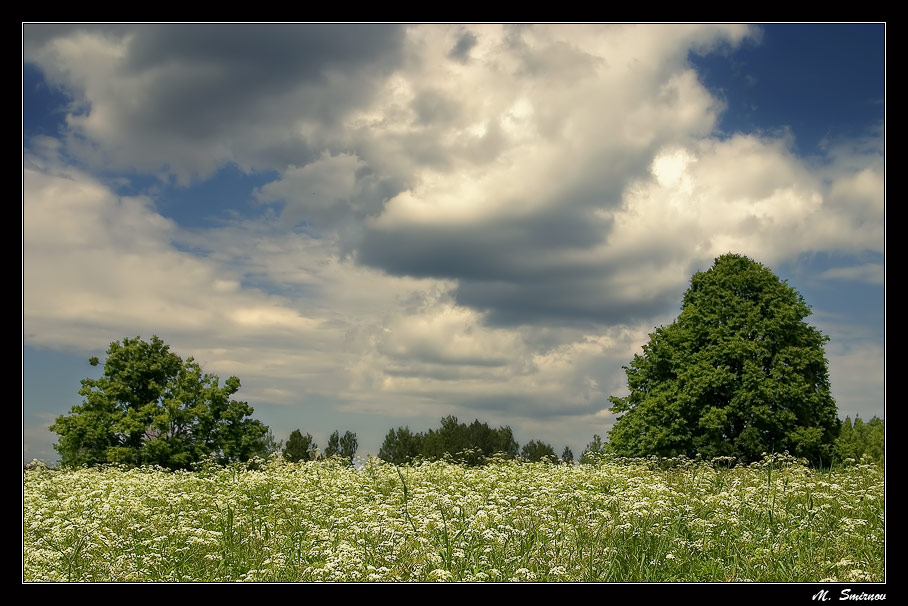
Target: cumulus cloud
[
  {"x": 518, "y": 194},
  {"x": 100, "y": 266},
  {"x": 186, "y": 99},
  {"x": 752, "y": 195},
  {"x": 605, "y": 192},
  {"x": 333, "y": 193}
]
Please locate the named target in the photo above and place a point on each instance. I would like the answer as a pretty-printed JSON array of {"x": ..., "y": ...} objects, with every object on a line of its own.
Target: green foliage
[
  {"x": 348, "y": 445},
  {"x": 152, "y": 408},
  {"x": 594, "y": 451},
  {"x": 401, "y": 446},
  {"x": 534, "y": 451},
  {"x": 567, "y": 455},
  {"x": 300, "y": 447},
  {"x": 343, "y": 447},
  {"x": 857, "y": 440},
  {"x": 470, "y": 444},
  {"x": 739, "y": 373}
]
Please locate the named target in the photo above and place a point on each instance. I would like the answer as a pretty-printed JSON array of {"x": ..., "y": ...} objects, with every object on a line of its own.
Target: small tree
[
  {"x": 348, "y": 445},
  {"x": 739, "y": 373},
  {"x": 469, "y": 444},
  {"x": 150, "y": 407},
  {"x": 567, "y": 455},
  {"x": 300, "y": 447},
  {"x": 450, "y": 438},
  {"x": 594, "y": 451},
  {"x": 343, "y": 447}
]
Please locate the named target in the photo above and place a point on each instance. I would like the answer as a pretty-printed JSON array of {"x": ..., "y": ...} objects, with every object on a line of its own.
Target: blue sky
[{"x": 376, "y": 225}]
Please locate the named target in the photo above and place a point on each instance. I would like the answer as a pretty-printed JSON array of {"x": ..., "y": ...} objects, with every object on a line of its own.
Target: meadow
[{"x": 619, "y": 520}]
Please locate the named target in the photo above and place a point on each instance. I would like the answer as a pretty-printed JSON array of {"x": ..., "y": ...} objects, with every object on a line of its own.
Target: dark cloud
[
  {"x": 547, "y": 267},
  {"x": 522, "y": 273},
  {"x": 525, "y": 248},
  {"x": 461, "y": 50},
  {"x": 430, "y": 355},
  {"x": 34, "y": 35},
  {"x": 304, "y": 51},
  {"x": 539, "y": 406},
  {"x": 447, "y": 371},
  {"x": 282, "y": 150},
  {"x": 573, "y": 300},
  {"x": 234, "y": 69}
]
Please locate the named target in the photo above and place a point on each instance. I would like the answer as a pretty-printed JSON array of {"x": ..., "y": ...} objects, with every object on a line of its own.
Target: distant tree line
[
  {"x": 477, "y": 443},
  {"x": 472, "y": 444}
]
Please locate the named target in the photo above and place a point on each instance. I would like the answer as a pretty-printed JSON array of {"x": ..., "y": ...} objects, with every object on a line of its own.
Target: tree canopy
[
  {"x": 153, "y": 408},
  {"x": 738, "y": 373}
]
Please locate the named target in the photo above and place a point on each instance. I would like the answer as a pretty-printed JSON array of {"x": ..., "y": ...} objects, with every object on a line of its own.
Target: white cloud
[
  {"x": 98, "y": 265},
  {"x": 753, "y": 196}
]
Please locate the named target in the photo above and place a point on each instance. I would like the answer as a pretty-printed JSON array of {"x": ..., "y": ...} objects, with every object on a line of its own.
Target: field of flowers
[{"x": 620, "y": 520}]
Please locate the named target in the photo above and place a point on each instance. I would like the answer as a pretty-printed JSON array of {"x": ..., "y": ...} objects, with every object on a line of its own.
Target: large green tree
[
  {"x": 152, "y": 407},
  {"x": 738, "y": 373}
]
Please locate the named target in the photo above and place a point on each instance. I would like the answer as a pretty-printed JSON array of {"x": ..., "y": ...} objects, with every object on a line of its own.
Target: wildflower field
[{"x": 619, "y": 520}]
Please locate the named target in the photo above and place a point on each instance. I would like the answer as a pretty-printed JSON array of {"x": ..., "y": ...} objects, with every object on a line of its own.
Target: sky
[{"x": 376, "y": 226}]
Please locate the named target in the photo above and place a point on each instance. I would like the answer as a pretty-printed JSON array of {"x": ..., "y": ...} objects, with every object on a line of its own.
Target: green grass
[{"x": 621, "y": 520}]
